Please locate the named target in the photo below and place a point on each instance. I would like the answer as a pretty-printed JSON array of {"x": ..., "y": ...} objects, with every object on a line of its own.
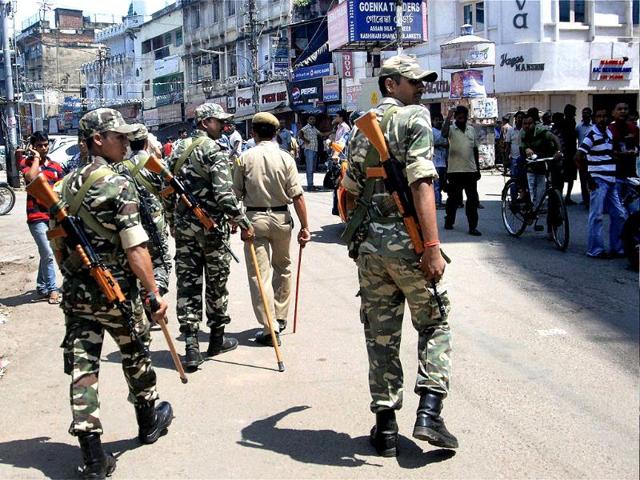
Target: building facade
[{"x": 51, "y": 53}]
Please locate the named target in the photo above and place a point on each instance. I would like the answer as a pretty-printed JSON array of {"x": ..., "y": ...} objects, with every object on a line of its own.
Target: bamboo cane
[
  {"x": 153, "y": 303},
  {"x": 295, "y": 308},
  {"x": 267, "y": 310}
]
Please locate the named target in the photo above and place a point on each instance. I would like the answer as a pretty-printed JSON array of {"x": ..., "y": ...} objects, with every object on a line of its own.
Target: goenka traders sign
[{"x": 357, "y": 24}]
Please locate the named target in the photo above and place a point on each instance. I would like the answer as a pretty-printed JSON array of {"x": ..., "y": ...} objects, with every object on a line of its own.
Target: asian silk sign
[{"x": 357, "y": 23}]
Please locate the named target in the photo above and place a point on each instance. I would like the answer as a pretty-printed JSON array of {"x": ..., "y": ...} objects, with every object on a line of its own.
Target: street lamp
[{"x": 254, "y": 73}]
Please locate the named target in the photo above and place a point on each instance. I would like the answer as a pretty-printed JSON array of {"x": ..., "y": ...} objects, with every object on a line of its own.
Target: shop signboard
[
  {"x": 351, "y": 95},
  {"x": 314, "y": 71},
  {"x": 151, "y": 118},
  {"x": 304, "y": 94},
  {"x": 483, "y": 108},
  {"x": 468, "y": 54},
  {"x": 244, "y": 101},
  {"x": 347, "y": 65},
  {"x": 166, "y": 66},
  {"x": 467, "y": 84},
  {"x": 358, "y": 23},
  {"x": 222, "y": 101},
  {"x": 170, "y": 113},
  {"x": 280, "y": 54},
  {"x": 273, "y": 95},
  {"x": 330, "y": 89},
  {"x": 611, "y": 69}
]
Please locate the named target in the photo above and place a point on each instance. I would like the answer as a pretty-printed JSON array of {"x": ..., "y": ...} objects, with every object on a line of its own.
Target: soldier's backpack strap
[
  {"x": 372, "y": 159},
  {"x": 183, "y": 158},
  {"x": 76, "y": 207}
]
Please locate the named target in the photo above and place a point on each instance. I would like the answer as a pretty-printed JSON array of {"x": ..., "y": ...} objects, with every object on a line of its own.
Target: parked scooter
[{"x": 7, "y": 198}]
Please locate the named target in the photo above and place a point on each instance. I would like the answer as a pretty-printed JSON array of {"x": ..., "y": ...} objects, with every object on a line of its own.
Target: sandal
[{"x": 54, "y": 298}]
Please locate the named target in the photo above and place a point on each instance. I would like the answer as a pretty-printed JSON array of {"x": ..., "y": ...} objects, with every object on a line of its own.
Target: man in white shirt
[{"x": 440, "y": 151}]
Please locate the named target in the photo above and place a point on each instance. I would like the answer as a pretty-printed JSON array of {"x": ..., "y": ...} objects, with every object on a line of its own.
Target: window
[
  {"x": 119, "y": 89},
  {"x": 146, "y": 46},
  {"x": 232, "y": 63},
  {"x": 572, "y": 11},
  {"x": 195, "y": 17},
  {"x": 147, "y": 85},
  {"x": 161, "y": 53},
  {"x": 473, "y": 14},
  {"x": 178, "y": 37},
  {"x": 635, "y": 14},
  {"x": 215, "y": 68},
  {"x": 231, "y": 7},
  {"x": 159, "y": 42}
]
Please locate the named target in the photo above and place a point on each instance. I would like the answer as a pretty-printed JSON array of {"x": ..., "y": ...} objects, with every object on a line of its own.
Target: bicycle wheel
[
  {"x": 557, "y": 219},
  {"x": 7, "y": 199},
  {"x": 513, "y": 215}
]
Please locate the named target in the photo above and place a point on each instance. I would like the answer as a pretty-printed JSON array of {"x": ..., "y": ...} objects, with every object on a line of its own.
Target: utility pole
[
  {"x": 252, "y": 32},
  {"x": 101, "y": 62},
  {"x": 10, "y": 113},
  {"x": 399, "y": 26}
]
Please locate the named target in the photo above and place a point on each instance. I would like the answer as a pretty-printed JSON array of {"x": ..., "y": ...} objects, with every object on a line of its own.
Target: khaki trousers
[{"x": 273, "y": 236}]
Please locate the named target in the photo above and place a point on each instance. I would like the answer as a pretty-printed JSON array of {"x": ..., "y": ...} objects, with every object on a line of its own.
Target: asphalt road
[{"x": 545, "y": 372}]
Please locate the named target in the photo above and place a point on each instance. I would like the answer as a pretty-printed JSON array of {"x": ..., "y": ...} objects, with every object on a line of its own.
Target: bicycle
[
  {"x": 7, "y": 198},
  {"x": 518, "y": 212}
]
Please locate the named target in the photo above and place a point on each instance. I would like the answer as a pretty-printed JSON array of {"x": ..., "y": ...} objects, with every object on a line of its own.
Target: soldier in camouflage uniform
[
  {"x": 108, "y": 205},
  {"x": 389, "y": 270},
  {"x": 206, "y": 173},
  {"x": 148, "y": 187}
]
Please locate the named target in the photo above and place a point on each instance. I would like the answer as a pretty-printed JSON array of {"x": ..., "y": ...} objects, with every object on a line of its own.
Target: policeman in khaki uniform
[
  {"x": 266, "y": 180},
  {"x": 389, "y": 270},
  {"x": 108, "y": 205}
]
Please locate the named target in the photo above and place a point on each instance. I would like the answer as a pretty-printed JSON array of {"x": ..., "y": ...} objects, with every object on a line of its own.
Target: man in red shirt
[
  {"x": 34, "y": 164},
  {"x": 625, "y": 140},
  {"x": 168, "y": 148}
]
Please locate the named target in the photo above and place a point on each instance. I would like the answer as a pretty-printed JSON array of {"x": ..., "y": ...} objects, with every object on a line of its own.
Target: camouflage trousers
[
  {"x": 385, "y": 284},
  {"x": 83, "y": 347},
  {"x": 161, "y": 259},
  {"x": 197, "y": 254}
]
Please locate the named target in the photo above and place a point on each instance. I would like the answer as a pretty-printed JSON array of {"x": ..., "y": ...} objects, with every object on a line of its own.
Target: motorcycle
[
  {"x": 7, "y": 198},
  {"x": 631, "y": 228}
]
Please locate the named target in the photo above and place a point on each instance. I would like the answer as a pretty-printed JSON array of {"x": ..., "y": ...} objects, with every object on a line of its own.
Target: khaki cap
[
  {"x": 408, "y": 67},
  {"x": 266, "y": 118},
  {"x": 103, "y": 120},
  {"x": 140, "y": 134},
  {"x": 211, "y": 110}
]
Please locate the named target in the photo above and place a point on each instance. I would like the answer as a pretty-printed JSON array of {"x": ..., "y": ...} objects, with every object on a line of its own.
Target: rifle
[
  {"x": 397, "y": 186},
  {"x": 72, "y": 228},
  {"x": 191, "y": 202},
  {"x": 151, "y": 227}
]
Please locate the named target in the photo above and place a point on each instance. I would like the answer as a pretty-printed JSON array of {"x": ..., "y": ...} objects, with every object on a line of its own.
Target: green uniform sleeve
[{"x": 221, "y": 187}]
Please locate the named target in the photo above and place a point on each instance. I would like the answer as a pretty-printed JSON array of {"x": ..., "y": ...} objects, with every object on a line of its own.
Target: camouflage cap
[
  {"x": 266, "y": 118},
  {"x": 408, "y": 67},
  {"x": 211, "y": 110},
  {"x": 103, "y": 120},
  {"x": 140, "y": 134}
]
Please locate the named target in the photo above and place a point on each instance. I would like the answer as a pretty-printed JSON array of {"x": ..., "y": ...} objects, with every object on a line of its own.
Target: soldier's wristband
[{"x": 431, "y": 244}]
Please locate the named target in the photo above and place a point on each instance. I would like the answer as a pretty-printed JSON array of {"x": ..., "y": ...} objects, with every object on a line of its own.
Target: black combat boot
[
  {"x": 430, "y": 425},
  {"x": 192, "y": 357},
  {"x": 97, "y": 465},
  {"x": 218, "y": 343},
  {"x": 384, "y": 434},
  {"x": 153, "y": 421}
]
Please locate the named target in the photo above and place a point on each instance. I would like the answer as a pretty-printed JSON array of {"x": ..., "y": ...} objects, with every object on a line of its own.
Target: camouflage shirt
[
  {"x": 213, "y": 191},
  {"x": 111, "y": 201},
  {"x": 410, "y": 141}
]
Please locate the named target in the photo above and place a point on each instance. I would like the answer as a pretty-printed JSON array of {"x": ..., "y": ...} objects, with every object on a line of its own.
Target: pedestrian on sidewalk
[
  {"x": 463, "y": 169},
  {"x": 569, "y": 140},
  {"x": 440, "y": 154},
  {"x": 108, "y": 204},
  {"x": 266, "y": 180},
  {"x": 308, "y": 136},
  {"x": 201, "y": 253},
  {"x": 389, "y": 270},
  {"x": 37, "y": 162},
  {"x": 595, "y": 157},
  {"x": 582, "y": 129}
]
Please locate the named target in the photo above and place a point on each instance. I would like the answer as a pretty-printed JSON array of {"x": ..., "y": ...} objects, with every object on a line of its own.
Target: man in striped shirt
[
  {"x": 600, "y": 167},
  {"x": 37, "y": 162}
]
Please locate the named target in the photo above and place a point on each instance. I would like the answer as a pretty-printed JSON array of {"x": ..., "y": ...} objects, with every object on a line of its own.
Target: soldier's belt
[{"x": 281, "y": 208}]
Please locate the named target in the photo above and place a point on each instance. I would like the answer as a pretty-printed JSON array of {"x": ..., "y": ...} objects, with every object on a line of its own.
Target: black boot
[
  {"x": 384, "y": 434},
  {"x": 97, "y": 464},
  {"x": 192, "y": 357},
  {"x": 218, "y": 343},
  {"x": 153, "y": 421},
  {"x": 430, "y": 425}
]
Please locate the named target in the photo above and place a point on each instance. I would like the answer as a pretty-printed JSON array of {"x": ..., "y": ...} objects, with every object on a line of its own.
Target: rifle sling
[
  {"x": 136, "y": 174},
  {"x": 77, "y": 208},
  {"x": 183, "y": 158},
  {"x": 364, "y": 201}
]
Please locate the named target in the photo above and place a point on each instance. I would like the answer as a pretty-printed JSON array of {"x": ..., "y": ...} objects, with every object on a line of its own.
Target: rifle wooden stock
[
  {"x": 369, "y": 126},
  {"x": 42, "y": 191}
]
